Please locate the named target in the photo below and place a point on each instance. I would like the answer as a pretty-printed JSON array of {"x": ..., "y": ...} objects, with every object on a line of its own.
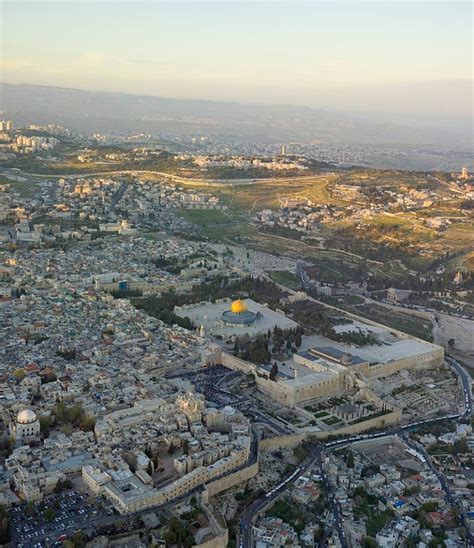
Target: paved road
[
  {"x": 175, "y": 178},
  {"x": 450, "y": 497},
  {"x": 274, "y": 424},
  {"x": 245, "y": 533},
  {"x": 119, "y": 193},
  {"x": 245, "y": 527},
  {"x": 336, "y": 511},
  {"x": 466, "y": 383}
]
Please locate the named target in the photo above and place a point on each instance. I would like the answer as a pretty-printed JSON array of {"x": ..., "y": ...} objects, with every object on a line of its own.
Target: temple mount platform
[{"x": 228, "y": 318}]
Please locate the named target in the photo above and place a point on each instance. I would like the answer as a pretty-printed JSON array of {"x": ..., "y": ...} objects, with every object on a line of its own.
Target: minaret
[{"x": 458, "y": 278}]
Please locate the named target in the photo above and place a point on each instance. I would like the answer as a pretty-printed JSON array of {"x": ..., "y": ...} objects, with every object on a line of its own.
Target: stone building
[{"x": 26, "y": 428}]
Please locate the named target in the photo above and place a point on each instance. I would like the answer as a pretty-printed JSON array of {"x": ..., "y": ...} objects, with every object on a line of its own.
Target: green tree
[
  {"x": 429, "y": 506},
  {"x": 63, "y": 486},
  {"x": 67, "y": 429},
  {"x": 4, "y": 526},
  {"x": 274, "y": 372},
  {"x": 87, "y": 424},
  {"x": 76, "y": 540},
  {"x": 318, "y": 535},
  {"x": 49, "y": 377},
  {"x": 461, "y": 446},
  {"x": 19, "y": 374}
]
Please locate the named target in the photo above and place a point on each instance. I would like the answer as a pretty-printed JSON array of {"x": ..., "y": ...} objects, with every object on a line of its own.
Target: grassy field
[
  {"x": 268, "y": 193},
  {"x": 244, "y": 200},
  {"x": 389, "y": 179},
  {"x": 25, "y": 189},
  {"x": 396, "y": 319},
  {"x": 408, "y": 221},
  {"x": 354, "y": 299},
  {"x": 459, "y": 234},
  {"x": 288, "y": 279},
  {"x": 405, "y": 224},
  {"x": 318, "y": 192},
  {"x": 245, "y": 197},
  {"x": 204, "y": 217},
  {"x": 407, "y": 323},
  {"x": 462, "y": 262},
  {"x": 66, "y": 167},
  {"x": 467, "y": 261},
  {"x": 218, "y": 225},
  {"x": 332, "y": 265},
  {"x": 299, "y": 249}
]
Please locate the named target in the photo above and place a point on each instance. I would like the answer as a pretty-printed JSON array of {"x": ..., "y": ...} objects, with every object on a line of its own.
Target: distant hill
[{"x": 92, "y": 111}]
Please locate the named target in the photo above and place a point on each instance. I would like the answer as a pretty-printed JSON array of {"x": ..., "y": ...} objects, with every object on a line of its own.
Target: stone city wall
[
  {"x": 290, "y": 395},
  {"x": 281, "y": 391},
  {"x": 275, "y": 390},
  {"x": 383, "y": 421},
  {"x": 221, "y": 534},
  {"x": 232, "y": 362},
  {"x": 293, "y": 440},
  {"x": 279, "y": 442},
  {"x": 220, "y": 541},
  {"x": 434, "y": 358},
  {"x": 234, "y": 478}
]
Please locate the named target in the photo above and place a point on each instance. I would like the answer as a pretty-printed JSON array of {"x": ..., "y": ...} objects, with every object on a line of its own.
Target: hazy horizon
[{"x": 392, "y": 61}]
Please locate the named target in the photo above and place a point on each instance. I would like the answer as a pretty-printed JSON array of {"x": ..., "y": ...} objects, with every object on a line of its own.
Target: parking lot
[{"x": 56, "y": 517}]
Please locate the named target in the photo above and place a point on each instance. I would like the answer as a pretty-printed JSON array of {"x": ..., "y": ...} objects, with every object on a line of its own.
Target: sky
[{"x": 403, "y": 58}]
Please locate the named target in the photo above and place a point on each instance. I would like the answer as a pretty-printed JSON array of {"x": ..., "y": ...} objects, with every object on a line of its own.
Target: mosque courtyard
[{"x": 227, "y": 318}]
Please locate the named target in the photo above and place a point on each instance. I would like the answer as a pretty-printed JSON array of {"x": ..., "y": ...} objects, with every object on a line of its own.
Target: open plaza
[{"x": 215, "y": 320}]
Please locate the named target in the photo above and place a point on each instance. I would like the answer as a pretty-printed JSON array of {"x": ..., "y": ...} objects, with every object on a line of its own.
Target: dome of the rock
[{"x": 238, "y": 307}]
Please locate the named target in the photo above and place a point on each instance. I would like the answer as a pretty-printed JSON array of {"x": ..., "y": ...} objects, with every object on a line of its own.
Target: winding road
[{"x": 316, "y": 453}]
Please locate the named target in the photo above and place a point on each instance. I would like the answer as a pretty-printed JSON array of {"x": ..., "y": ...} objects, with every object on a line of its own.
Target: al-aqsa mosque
[{"x": 239, "y": 314}]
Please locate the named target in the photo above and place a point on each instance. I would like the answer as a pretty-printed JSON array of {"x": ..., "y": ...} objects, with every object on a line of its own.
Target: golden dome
[{"x": 238, "y": 307}]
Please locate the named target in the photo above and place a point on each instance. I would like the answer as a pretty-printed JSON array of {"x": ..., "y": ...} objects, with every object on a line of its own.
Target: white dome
[
  {"x": 27, "y": 416},
  {"x": 228, "y": 410}
]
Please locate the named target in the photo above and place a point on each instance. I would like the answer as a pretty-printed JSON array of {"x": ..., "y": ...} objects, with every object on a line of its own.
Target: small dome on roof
[
  {"x": 228, "y": 410},
  {"x": 27, "y": 416}
]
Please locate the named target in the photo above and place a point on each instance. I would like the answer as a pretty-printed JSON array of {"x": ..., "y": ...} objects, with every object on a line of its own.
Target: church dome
[
  {"x": 238, "y": 307},
  {"x": 27, "y": 416}
]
